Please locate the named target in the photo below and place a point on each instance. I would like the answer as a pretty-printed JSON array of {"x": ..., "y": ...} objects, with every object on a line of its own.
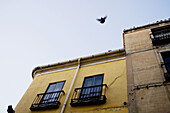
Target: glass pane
[
  {"x": 59, "y": 86},
  {"x": 88, "y": 82},
  {"x": 85, "y": 91},
  {"x": 167, "y": 62},
  {"x": 98, "y": 80},
  {"x": 166, "y": 58},
  {"x": 51, "y": 88}
]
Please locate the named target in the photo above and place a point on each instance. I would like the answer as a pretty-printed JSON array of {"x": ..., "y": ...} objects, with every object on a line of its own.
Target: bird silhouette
[{"x": 102, "y": 19}]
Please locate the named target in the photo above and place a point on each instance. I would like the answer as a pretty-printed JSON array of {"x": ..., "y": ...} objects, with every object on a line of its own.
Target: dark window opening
[
  {"x": 92, "y": 92},
  {"x": 49, "y": 99},
  {"x": 166, "y": 65},
  {"x": 161, "y": 35}
]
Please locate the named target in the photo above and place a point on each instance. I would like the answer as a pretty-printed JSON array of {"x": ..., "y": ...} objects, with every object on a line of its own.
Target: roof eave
[{"x": 74, "y": 60}]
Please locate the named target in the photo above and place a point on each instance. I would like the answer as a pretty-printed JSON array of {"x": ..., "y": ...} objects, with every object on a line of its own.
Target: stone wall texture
[{"x": 147, "y": 90}]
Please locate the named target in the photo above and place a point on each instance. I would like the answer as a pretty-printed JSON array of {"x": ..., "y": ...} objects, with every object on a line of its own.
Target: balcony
[
  {"x": 45, "y": 101},
  {"x": 160, "y": 36},
  {"x": 89, "y": 95}
]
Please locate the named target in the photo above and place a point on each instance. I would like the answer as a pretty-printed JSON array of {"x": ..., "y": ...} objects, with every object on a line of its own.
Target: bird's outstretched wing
[
  {"x": 98, "y": 19},
  {"x": 105, "y": 17}
]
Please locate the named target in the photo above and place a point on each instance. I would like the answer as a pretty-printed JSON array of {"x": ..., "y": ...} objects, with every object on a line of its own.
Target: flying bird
[{"x": 102, "y": 19}]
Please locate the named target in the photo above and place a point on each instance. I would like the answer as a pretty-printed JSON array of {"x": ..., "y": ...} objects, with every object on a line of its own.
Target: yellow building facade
[{"x": 93, "y": 84}]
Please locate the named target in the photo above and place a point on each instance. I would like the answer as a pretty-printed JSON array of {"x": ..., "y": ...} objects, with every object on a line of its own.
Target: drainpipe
[{"x": 62, "y": 111}]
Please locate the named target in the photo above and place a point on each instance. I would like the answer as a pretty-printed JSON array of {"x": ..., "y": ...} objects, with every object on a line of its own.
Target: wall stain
[{"x": 113, "y": 108}]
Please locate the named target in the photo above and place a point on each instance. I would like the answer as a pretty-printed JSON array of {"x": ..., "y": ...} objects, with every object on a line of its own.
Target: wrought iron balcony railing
[
  {"x": 46, "y": 101},
  {"x": 161, "y": 36},
  {"x": 89, "y": 95},
  {"x": 166, "y": 70}
]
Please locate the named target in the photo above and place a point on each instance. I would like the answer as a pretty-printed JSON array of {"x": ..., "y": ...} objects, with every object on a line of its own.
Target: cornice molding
[
  {"x": 148, "y": 26},
  {"x": 74, "y": 67}
]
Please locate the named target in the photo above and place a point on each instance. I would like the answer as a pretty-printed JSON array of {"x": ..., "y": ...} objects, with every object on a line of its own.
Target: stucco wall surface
[{"x": 116, "y": 93}]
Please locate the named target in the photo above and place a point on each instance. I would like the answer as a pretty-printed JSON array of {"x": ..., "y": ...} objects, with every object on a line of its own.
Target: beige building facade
[{"x": 148, "y": 67}]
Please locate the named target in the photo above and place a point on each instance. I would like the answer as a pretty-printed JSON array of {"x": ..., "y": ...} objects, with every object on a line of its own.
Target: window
[
  {"x": 49, "y": 99},
  {"x": 160, "y": 35},
  {"x": 166, "y": 64},
  {"x": 88, "y": 90},
  {"x": 92, "y": 91},
  {"x": 52, "y": 93}
]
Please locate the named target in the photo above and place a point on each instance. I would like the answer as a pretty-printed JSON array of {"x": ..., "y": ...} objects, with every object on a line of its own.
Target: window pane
[
  {"x": 166, "y": 58},
  {"x": 51, "y": 88},
  {"x": 59, "y": 86},
  {"x": 88, "y": 82},
  {"x": 167, "y": 62},
  {"x": 98, "y": 80}
]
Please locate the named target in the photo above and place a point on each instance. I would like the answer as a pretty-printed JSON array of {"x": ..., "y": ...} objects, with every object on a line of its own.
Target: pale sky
[{"x": 41, "y": 32}]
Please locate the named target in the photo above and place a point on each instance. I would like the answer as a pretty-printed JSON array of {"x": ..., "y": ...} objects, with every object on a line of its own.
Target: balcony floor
[{"x": 88, "y": 101}]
